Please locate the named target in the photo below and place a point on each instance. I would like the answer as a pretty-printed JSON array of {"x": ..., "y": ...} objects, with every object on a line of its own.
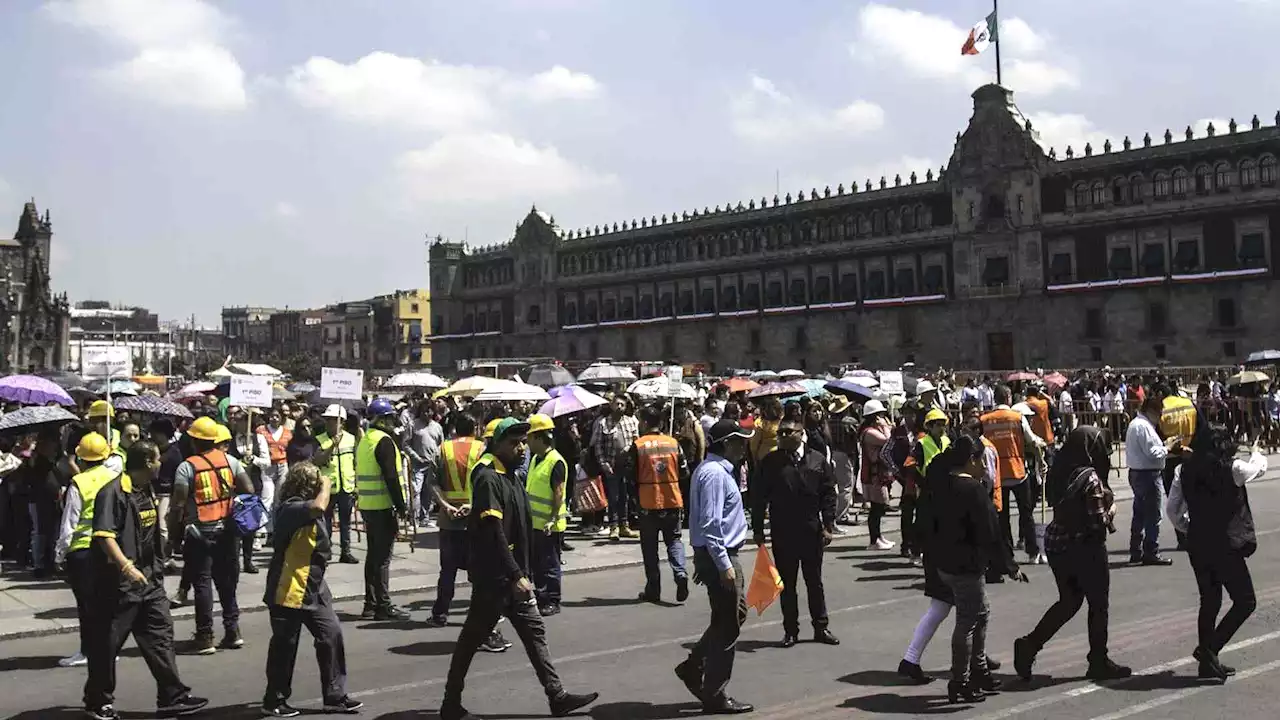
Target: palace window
[
  {"x": 751, "y": 296},
  {"x": 995, "y": 271},
  {"x": 935, "y": 280},
  {"x": 904, "y": 281},
  {"x": 773, "y": 294},
  {"x": 1186, "y": 257},
  {"x": 686, "y": 302},
  {"x": 797, "y": 296},
  {"x": 848, "y": 291},
  {"x": 1223, "y": 177},
  {"x": 1253, "y": 250},
  {"x": 628, "y": 308},
  {"x": 1204, "y": 179},
  {"x": 729, "y": 298},
  {"x": 822, "y": 289},
  {"x": 1248, "y": 173},
  {"x": 707, "y": 300},
  {"x": 1152, "y": 263},
  {"x": 590, "y": 315},
  {"x": 1160, "y": 186},
  {"x": 610, "y": 310},
  {"x": 646, "y": 307},
  {"x": 1226, "y": 313},
  {"x": 1157, "y": 318},
  {"x": 1060, "y": 270},
  {"x": 666, "y": 305},
  {"x": 1092, "y": 323},
  {"x": 1082, "y": 195},
  {"x": 1119, "y": 191},
  {"x": 1267, "y": 170},
  {"x": 1135, "y": 189},
  {"x": 1098, "y": 194},
  {"x": 877, "y": 222},
  {"x": 1121, "y": 264},
  {"x": 1179, "y": 182},
  {"x": 875, "y": 287}
]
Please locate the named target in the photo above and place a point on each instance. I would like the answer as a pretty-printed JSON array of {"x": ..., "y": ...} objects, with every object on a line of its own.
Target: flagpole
[{"x": 995, "y": 11}]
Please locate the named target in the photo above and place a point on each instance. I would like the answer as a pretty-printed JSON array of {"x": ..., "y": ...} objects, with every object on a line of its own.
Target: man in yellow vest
[
  {"x": 76, "y": 537},
  {"x": 337, "y": 461},
  {"x": 451, "y": 487},
  {"x": 1177, "y": 420},
  {"x": 546, "y": 486},
  {"x": 934, "y": 440},
  {"x": 99, "y": 418},
  {"x": 653, "y": 466},
  {"x": 380, "y": 490}
]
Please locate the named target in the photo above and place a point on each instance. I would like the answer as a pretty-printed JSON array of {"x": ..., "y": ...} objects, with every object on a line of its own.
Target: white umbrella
[
  {"x": 424, "y": 380},
  {"x": 763, "y": 375},
  {"x": 660, "y": 387},
  {"x": 791, "y": 374},
  {"x": 606, "y": 373},
  {"x": 473, "y": 385},
  {"x": 862, "y": 380},
  {"x": 511, "y": 391}
]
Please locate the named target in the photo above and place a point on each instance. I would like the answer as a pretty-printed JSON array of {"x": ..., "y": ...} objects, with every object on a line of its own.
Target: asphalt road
[{"x": 604, "y": 641}]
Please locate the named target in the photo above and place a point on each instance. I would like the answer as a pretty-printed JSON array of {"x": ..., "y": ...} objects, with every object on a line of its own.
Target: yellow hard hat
[
  {"x": 491, "y": 428},
  {"x": 540, "y": 423},
  {"x": 934, "y": 416},
  {"x": 93, "y": 448},
  {"x": 222, "y": 435},
  {"x": 100, "y": 408},
  {"x": 204, "y": 428}
]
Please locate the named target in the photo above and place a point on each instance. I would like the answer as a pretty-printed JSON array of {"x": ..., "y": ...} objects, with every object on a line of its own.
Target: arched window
[
  {"x": 1136, "y": 188},
  {"x": 908, "y": 222},
  {"x": 1248, "y": 173},
  {"x": 1119, "y": 191},
  {"x": 1082, "y": 195},
  {"x": 1160, "y": 186},
  {"x": 877, "y": 222},
  {"x": 1204, "y": 179},
  {"x": 702, "y": 249},
  {"x": 1222, "y": 176},
  {"x": 864, "y": 224},
  {"x": 1267, "y": 170},
  {"x": 921, "y": 220},
  {"x": 850, "y": 227},
  {"x": 1179, "y": 182},
  {"x": 1098, "y": 194}
]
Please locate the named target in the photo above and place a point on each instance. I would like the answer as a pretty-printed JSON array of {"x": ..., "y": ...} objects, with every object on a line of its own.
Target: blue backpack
[{"x": 248, "y": 514}]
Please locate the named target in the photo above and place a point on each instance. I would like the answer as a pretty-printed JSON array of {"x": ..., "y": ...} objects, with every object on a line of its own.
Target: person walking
[
  {"x": 501, "y": 532},
  {"x": 128, "y": 590},
  {"x": 547, "y": 486},
  {"x": 797, "y": 489},
  {"x": 1146, "y": 453},
  {"x": 337, "y": 461},
  {"x": 451, "y": 488},
  {"x": 1210, "y": 503},
  {"x": 297, "y": 595},
  {"x": 1011, "y": 434},
  {"x": 876, "y": 475},
  {"x": 717, "y": 531},
  {"x": 381, "y": 492},
  {"x": 655, "y": 465},
  {"x": 1076, "y": 543}
]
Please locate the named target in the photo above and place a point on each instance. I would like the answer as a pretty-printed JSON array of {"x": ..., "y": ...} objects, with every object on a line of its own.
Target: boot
[
  {"x": 1024, "y": 657},
  {"x": 628, "y": 533},
  {"x": 914, "y": 672},
  {"x": 1210, "y": 667},
  {"x": 967, "y": 694},
  {"x": 453, "y": 710},
  {"x": 565, "y": 703},
  {"x": 1104, "y": 669}
]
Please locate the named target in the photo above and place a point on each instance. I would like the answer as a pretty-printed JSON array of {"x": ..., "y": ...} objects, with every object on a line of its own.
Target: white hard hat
[
  {"x": 1024, "y": 408},
  {"x": 925, "y": 386},
  {"x": 335, "y": 411},
  {"x": 873, "y": 407}
]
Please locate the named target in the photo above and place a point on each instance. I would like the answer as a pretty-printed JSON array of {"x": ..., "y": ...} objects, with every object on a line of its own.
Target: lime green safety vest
[
  {"x": 89, "y": 483},
  {"x": 931, "y": 449},
  {"x": 541, "y": 495},
  {"x": 341, "y": 471},
  {"x": 371, "y": 489}
]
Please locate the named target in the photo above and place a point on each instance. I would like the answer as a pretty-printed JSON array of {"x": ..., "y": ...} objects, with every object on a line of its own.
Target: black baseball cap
[{"x": 724, "y": 429}]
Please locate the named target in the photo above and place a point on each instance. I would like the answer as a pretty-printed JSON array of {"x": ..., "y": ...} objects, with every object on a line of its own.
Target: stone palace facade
[{"x": 1134, "y": 253}]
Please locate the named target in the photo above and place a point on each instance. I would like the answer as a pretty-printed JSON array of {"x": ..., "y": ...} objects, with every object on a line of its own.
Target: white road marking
[{"x": 1183, "y": 694}]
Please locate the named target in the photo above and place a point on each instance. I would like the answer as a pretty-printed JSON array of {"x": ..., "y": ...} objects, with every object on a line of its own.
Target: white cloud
[
  {"x": 928, "y": 47},
  {"x": 179, "y": 56},
  {"x": 1201, "y": 127},
  {"x": 285, "y": 209},
  {"x": 763, "y": 114},
  {"x": 386, "y": 89},
  {"x": 483, "y": 168},
  {"x": 1058, "y": 131}
]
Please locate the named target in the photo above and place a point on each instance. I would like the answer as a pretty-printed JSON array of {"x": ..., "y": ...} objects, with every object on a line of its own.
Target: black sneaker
[
  {"x": 494, "y": 644},
  {"x": 232, "y": 640},
  {"x": 184, "y": 705},
  {"x": 250, "y": 569},
  {"x": 392, "y": 613},
  {"x": 348, "y": 559},
  {"x": 202, "y": 645},
  {"x": 280, "y": 710},
  {"x": 345, "y": 706},
  {"x": 549, "y": 610},
  {"x": 437, "y": 621},
  {"x": 682, "y": 589},
  {"x": 1105, "y": 669},
  {"x": 565, "y": 703},
  {"x": 506, "y": 644},
  {"x": 1024, "y": 658},
  {"x": 368, "y": 613},
  {"x": 455, "y": 711},
  {"x": 106, "y": 712}
]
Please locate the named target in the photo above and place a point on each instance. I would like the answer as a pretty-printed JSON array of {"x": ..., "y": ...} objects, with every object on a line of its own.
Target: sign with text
[
  {"x": 341, "y": 383},
  {"x": 251, "y": 391},
  {"x": 112, "y": 361},
  {"x": 675, "y": 377},
  {"x": 891, "y": 382}
]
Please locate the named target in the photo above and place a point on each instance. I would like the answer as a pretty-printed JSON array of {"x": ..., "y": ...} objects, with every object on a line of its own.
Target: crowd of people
[{"x": 114, "y": 501}]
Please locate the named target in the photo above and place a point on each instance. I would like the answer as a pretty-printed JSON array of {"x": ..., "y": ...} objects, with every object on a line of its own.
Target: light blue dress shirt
[{"x": 716, "y": 519}]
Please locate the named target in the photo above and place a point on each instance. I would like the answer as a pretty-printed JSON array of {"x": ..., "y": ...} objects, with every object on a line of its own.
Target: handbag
[{"x": 588, "y": 495}]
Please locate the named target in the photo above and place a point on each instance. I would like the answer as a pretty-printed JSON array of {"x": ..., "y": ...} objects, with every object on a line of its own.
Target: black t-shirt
[
  {"x": 300, "y": 553},
  {"x": 170, "y": 459},
  {"x": 128, "y": 514},
  {"x": 500, "y": 551}
]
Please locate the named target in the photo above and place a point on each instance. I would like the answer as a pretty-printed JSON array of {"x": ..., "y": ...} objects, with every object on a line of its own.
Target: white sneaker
[
  {"x": 603, "y": 532},
  {"x": 1039, "y": 559},
  {"x": 76, "y": 660},
  {"x": 883, "y": 544}
]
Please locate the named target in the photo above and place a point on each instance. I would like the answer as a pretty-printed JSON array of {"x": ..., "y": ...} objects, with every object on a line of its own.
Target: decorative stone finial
[
  {"x": 1106, "y": 145},
  {"x": 1146, "y": 140},
  {"x": 788, "y": 198},
  {"x": 685, "y": 215},
  {"x": 928, "y": 175},
  {"x": 813, "y": 193},
  {"x": 763, "y": 204},
  {"x": 1210, "y": 130},
  {"x": 1190, "y": 135},
  {"x": 775, "y": 199},
  {"x": 942, "y": 169},
  {"x": 1070, "y": 153},
  {"x": 868, "y": 184},
  {"x": 751, "y": 204},
  {"x": 1255, "y": 123},
  {"x": 826, "y": 192},
  {"x": 883, "y": 183},
  {"x": 705, "y": 211},
  {"x": 913, "y": 177},
  {"x": 957, "y": 136},
  {"x": 897, "y": 180},
  {"x": 840, "y": 189},
  {"x": 717, "y": 210},
  {"x": 1088, "y": 149},
  {"x": 1231, "y": 127},
  {"x": 1028, "y": 125},
  {"x": 1168, "y": 136},
  {"x": 644, "y": 222}
]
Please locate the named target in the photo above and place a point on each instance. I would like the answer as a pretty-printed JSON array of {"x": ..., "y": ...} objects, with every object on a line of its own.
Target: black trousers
[
  {"x": 380, "y": 534},
  {"x": 877, "y": 513},
  {"x": 81, "y": 578},
  {"x": 1171, "y": 464},
  {"x": 147, "y": 619},
  {"x": 1082, "y": 574},
  {"x": 489, "y": 603},
  {"x": 908, "y": 509},
  {"x": 714, "y": 652},
  {"x": 454, "y": 548},
  {"x": 214, "y": 564},
  {"x": 800, "y": 551},
  {"x": 1021, "y": 493},
  {"x": 1216, "y": 571},
  {"x": 286, "y": 629},
  {"x": 341, "y": 503}
]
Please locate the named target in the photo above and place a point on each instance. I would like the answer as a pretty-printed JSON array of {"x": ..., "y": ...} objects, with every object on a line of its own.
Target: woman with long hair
[
  {"x": 1208, "y": 501},
  {"x": 1076, "y": 542}
]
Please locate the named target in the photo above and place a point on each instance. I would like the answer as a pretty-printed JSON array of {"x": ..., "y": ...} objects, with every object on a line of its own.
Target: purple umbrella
[
  {"x": 852, "y": 390},
  {"x": 779, "y": 389},
  {"x": 32, "y": 390},
  {"x": 569, "y": 400}
]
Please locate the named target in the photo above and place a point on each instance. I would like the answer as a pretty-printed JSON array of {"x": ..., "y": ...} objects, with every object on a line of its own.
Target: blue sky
[{"x": 196, "y": 154}]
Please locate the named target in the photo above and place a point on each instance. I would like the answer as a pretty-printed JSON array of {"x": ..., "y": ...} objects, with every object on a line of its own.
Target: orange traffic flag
[{"x": 766, "y": 583}]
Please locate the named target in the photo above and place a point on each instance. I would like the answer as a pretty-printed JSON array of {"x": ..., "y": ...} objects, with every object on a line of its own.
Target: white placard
[
  {"x": 251, "y": 391},
  {"x": 675, "y": 377},
  {"x": 112, "y": 361},
  {"x": 341, "y": 383},
  {"x": 891, "y": 382}
]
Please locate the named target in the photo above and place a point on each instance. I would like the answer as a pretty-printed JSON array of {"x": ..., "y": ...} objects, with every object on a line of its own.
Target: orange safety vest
[
  {"x": 1040, "y": 424},
  {"x": 213, "y": 486},
  {"x": 460, "y": 456},
  {"x": 276, "y": 447},
  {"x": 997, "y": 497},
  {"x": 658, "y": 476},
  {"x": 1004, "y": 429}
]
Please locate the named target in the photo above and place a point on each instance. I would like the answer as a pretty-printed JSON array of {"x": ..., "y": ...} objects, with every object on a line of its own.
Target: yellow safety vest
[
  {"x": 1178, "y": 418},
  {"x": 541, "y": 494},
  {"x": 931, "y": 449},
  {"x": 89, "y": 483},
  {"x": 460, "y": 456},
  {"x": 342, "y": 470},
  {"x": 371, "y": 489}
]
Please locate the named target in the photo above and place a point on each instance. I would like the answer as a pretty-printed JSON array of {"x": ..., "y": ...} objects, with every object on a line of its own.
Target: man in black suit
[{"x": 798, "y": 488}]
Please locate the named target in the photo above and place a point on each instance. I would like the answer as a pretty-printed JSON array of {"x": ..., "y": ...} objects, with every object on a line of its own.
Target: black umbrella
[
  {"x": 64, "y": 379},
  {"x": 546, "y": 376},
  {"x": 33, "y": 419}
]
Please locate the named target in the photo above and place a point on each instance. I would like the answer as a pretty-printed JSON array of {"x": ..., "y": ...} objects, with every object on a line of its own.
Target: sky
[{"x": 196, "y": 154}]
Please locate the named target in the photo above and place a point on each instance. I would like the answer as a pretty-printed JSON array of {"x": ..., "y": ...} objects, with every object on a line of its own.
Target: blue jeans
[
  {"x": 1148, "y": 499},
  {"x": 615, "y": 486},
  {"x": 454, "y": 548},
  {"x": 546, "y": 567},
  {"x": 666, "y": 523}
]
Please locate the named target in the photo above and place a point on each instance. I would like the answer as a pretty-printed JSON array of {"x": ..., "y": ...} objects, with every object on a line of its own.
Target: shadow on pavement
[
  {"x": 47, "y": 585},
  {"x": 35, "y": 662},
  {"x": 432, "y": 648},
  {"x": 601, "y": 602},
  {"x": 879, "y": 565},
  {"x": 644, "y": 711},
  {"x": 1159, "y": 681},
  {"x": 916, "y": 705},
  {"x": 1015, "y": 684},
  {"x": 889, "y": 576},
  {"x": 878, "y": 678},
  {"x": 57, "y": 614}
]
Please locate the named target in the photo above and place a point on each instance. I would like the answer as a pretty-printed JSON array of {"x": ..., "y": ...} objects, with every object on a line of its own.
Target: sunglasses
[{"x": 788, "y": 431}]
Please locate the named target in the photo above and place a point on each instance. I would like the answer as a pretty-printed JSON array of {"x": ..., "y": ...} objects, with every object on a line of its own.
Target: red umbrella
[
  {"x": 740, "y": 384},
  {"x": 1022, "y": 375},
  {"x": 1055, "y": 380}
]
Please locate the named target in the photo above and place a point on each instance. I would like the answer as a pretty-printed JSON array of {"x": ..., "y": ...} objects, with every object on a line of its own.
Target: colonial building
[
  {"x": 1013, "y": 254},
  {"x": 35, "y": 324}
]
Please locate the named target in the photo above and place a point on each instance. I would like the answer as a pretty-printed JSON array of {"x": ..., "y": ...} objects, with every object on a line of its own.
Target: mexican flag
[{"x": 982, "y": 35}]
